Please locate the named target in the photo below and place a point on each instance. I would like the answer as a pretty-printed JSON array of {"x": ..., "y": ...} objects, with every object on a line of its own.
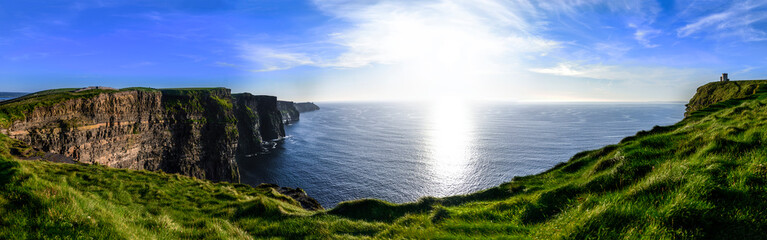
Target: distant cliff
[
  {"x": 194, "y": 132},
  {"x": 307, "y": 107},
  {"x": 291, "y": 111},
  {"x": 717, "y": 92},
  {"x": 258, "y": 122}
]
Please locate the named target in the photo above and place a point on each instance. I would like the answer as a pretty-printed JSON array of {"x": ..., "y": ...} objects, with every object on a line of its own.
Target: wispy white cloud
[
  {"x": 452, "y": 46},
  {"x": 638, "y": 75},
  {"x": 612, "y": 49},
  {"x": 138, "y": 64},
  {"x": 84, "y": 54},
  {"x": 444, "y": 34},
  {"x": 28, "y": 56},
  {"x": 571, "y": 69},
  {"x": 736, "y": 21},
  {"x": 485, "y": 32},
  {"x": 154, "y": 16},
  {"x": 194, "y": 58},
  {"x": 269, "y": 59},
  {"x": 643, "y": 35},
  {"x": 745, "y": 70}
]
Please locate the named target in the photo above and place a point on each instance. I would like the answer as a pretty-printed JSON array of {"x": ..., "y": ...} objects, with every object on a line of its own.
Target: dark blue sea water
[
  {"x": 401, "y": 152},
  {"x": 10, "y": 95}
]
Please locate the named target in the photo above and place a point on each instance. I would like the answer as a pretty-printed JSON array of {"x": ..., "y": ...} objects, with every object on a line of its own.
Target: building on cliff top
[{"x": 724, "y": 78}]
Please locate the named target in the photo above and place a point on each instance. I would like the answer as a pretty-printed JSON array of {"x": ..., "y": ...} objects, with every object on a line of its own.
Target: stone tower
[{"x": 724, "y": 78}]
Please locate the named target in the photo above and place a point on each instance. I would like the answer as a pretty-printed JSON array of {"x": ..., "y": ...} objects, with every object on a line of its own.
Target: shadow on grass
[{"x": 382, "y": 211}]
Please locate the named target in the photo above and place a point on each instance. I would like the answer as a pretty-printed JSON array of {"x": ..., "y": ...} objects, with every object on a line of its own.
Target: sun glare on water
[{"x": 450, "y": 137}]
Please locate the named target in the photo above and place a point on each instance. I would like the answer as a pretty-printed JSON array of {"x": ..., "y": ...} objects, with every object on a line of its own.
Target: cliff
[
  {"x": 194, "y": 132},
  {"x": 201, "y": 133},
  {"x": 258, "y": 122},
  {"x": 270, "y": 118},
  {"x": 306, "y": 107},
  {"x": 289, "y": 112},
  {"x": 716, "y": 92}
]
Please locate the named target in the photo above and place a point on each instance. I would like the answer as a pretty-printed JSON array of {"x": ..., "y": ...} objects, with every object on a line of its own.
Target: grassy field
[{"x": 702, "y": 178}]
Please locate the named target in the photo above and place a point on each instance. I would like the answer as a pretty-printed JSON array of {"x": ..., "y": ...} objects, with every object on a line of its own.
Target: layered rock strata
[{"x": 194, "y": 132}]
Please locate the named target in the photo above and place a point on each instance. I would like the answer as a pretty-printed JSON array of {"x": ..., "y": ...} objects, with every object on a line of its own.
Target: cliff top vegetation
[
  {"x": 184, "y": 91},
  {"x": 715, "y": 92},
  {"x": 704, "y": 177},
  {"x": 16, "y": 109}
]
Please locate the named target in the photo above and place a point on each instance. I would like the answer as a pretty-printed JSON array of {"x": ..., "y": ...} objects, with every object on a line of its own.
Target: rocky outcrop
[
  {"x": 194, "y": 132},
  {"x": 306, "y": 107},
  {"x": 297, "y": 194}
]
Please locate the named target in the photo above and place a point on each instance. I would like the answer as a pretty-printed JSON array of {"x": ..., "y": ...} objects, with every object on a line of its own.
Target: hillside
[
  {"x": 704, "y": 177},
  {"x": 715, "y": 92}
]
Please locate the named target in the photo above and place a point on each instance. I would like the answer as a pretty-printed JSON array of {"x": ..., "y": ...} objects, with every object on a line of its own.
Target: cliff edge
[
  {"x": 716, "y": 92},
  {"x": 306, "y": 107},
  {"x": 191, "y": 131},
  {"x": 258, "y": 122},
  {"x": 291, "y": 111}
]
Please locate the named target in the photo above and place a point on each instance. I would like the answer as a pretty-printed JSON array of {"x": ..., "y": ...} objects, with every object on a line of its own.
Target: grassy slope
[
  {"x": 43, "y": 200},
  {"x": 715, "y": 92},
  {"x": 704, "y": 177}
]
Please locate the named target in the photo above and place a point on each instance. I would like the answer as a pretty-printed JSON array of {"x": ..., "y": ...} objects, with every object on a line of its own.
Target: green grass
[
  {"x": 50, "y": 200},
  {"x": 715, "y": 92},
  {"x": 143, "y": 89},
  {"x": 19, "y": 108},
  {"x": 224, "y": 103},
  {"x": 187, "y": 91},
  {"x": 702, "y": 178}
]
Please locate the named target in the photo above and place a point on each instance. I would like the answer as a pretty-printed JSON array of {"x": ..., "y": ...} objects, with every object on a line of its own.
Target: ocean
[{"x": 401, "y": 152}]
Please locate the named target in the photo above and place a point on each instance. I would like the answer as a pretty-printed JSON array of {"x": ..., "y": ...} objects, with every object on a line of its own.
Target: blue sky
[{"x": 334, "y": 50}]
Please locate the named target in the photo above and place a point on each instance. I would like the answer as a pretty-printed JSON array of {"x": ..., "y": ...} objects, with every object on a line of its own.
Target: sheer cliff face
[
  {"x": 192, "y": 132},
  {"x": 257, "y": 122},
  {"x": 123, "y": 129},
  {"x": 289, "y": 112},
  {"x": 271, "y": 125},
  {"x": 203, "y": 134}
]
